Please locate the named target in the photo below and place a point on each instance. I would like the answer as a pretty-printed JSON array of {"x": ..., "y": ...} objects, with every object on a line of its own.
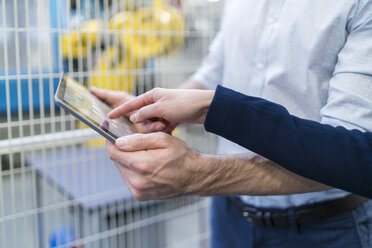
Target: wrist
[
  {"x": 204, "y": 103},
  {"x": 201, "y": 173}
]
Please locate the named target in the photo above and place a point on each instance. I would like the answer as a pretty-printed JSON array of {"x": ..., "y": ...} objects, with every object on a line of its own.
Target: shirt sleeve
[
  {"x": 334, "y": 156},
  {"x": 349, "y": 101},
  {"x": 210, "y": 72}
]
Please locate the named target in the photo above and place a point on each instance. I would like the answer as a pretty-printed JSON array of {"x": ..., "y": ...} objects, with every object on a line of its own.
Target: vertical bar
[
  {"x": 93, "y": 73},
  {"x": 80, "y": 44},
  {"x": 72, "y": 122},
  {"x": 45, "y": 226},
  {"x": 51, "y": 9},
  {"x": 2, "y": 212},
  {"x": 85, "y": 157},
  {"x": 119, "y": 58},
  {"x": 120, "y": 221},
  {"x": 66, "y": 5},
  {"x": 89, "y": 41},
  {"x": 104, "y": 208},
  {"x": 51, "y": 61},
  {"x": 7, "y": 89},
  {"x": 70, "y": 58},
  {"x": 20, "y": 111},
  {"x": 31, "y": 118},
  {"x": 78, "y": 158},
  {"x": 61, "y": 21},
  {"x": 55, "y": 10}
]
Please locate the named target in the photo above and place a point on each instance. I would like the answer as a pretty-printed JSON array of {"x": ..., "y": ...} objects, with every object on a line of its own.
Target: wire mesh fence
[{"x": 57, "y": 186}]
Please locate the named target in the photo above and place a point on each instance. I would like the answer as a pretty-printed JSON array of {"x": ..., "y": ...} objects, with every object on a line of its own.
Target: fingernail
[
  {"x": 123, "y": 141},
  {"x": 133, "y": 118}
]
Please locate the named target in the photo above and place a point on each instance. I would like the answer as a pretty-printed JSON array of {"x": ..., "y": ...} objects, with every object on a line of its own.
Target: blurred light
[{"x": 165, "y": 17}]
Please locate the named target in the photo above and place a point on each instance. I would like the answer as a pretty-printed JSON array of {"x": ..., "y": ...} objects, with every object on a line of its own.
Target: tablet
[{"x": 76, "y": 99}]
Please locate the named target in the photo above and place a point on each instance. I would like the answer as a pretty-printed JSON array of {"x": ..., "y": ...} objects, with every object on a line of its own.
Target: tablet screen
[{"x": 88, "y": 106}]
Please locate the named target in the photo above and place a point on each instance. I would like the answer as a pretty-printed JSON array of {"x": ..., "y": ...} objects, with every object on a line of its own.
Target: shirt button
[
  {"x": 270, "y": 20},
  {"x": 259, "y": 65}
]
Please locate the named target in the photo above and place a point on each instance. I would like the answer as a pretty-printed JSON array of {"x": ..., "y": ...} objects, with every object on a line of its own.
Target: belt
[{"x": 302, "y": 215}]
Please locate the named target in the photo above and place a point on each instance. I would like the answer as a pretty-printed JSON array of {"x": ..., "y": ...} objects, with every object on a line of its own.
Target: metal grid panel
[{"x": 54, "y": 174}]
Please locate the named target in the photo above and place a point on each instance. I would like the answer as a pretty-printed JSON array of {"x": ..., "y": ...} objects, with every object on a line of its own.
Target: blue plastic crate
[{"x": 46, "y": 83}]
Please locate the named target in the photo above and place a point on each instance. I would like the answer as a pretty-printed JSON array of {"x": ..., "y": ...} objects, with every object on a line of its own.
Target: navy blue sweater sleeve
[{"x": 331, "y": 155}]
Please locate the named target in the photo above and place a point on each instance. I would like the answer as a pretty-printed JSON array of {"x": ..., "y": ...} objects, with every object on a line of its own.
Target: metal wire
[{"x": 57, "y": 186}]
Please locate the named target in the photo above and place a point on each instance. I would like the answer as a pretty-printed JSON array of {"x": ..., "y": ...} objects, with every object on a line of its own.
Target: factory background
[{"x": 57, "y": 186}]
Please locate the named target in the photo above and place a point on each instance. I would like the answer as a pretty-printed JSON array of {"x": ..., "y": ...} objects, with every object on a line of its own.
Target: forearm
[
  {"x": 248, "y": 175},
  {"x": 332, "y": 155},
  {"x": 243, "y": 175}
]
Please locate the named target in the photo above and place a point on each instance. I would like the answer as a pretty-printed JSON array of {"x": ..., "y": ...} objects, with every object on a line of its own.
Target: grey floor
[{"x": 19, "y": 227}]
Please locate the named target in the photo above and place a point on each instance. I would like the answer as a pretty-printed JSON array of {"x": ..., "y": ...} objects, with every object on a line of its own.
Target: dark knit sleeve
[{"x": 331, "y": 155}]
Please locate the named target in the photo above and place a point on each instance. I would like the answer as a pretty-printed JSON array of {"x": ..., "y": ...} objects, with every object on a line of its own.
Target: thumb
[{"x": 139, "y": 142}]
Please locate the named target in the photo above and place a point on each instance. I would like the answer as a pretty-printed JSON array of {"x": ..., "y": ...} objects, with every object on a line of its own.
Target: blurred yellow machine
[
  {"x": 115, "y": 70},
  {"x": 137, "y": 37},
  {"x": 76, "y": 44}
]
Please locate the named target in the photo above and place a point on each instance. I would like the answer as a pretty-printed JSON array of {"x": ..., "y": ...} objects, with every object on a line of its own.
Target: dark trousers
[{"x": 349, "y": 230}]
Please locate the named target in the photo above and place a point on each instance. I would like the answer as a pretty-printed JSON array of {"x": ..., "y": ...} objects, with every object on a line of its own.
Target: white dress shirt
[{"x": 312, "y": 56}]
